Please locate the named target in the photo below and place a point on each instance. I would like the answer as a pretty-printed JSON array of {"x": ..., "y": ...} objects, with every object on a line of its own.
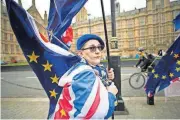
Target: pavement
[{"x": 37, "y": 108}]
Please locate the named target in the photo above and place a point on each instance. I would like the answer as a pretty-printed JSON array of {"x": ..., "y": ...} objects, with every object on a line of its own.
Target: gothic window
[
  {"x": 2, "y": 37},
  {"x": 154, "y": 19},
  {"x": 157, "y": 18},
  {"x": 131, "y": 44},
  {"x": 142, "y": 32},
  {"x": 162, "y": 3},
  {"x": 12, "y": 49},
  {"x": 130, "y": 34},
  {"x": 11, "y": 37},
  {"x": 162, "y": 18},
  {"x": 156, "y": 3},
  {"x": 5, "y": 36},
  {"x": 124, "y": 24},
  {"x": 150, "y": 31},
  {"x": 142, "y": 42},
  {"x": 130, "y": 23},
  {"x": 5, "y": 24},
  {"x": 17, "y": 48},
  {"x": 142, "y": 21},
  {"x": 6, "y": 48},
  {"x": 3, "y": 47},
  {"x": 154, "y": 31}
]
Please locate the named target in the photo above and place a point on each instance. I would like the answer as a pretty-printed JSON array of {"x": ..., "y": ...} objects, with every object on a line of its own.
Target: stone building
[
  {"x": 10, "y": 48},
  {"x": 150, "y": 27}
]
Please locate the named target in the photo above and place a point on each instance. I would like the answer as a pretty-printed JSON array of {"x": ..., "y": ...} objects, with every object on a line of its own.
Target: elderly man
[{"x": 84, "y": 95}]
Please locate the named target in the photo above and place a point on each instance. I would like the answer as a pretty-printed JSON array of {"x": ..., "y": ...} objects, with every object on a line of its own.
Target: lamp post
[
  {"x": 113, "y": 21},
  {"x": 89, "y": 23},
  {"x": 116, "y": 64}
]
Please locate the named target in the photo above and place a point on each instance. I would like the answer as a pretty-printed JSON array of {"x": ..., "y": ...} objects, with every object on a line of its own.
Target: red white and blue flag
[
  {"x": 84, "y": 95},
  {"x": 68, "y": 36},
  {"x": 61, "y": 13}
]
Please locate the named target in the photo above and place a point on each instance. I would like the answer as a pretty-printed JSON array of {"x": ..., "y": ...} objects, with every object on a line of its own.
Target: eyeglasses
[{"x": 94, "y": 48}]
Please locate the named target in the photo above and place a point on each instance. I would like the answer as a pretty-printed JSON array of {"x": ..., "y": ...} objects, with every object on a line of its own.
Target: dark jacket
[{"x": 145, "y": 60}]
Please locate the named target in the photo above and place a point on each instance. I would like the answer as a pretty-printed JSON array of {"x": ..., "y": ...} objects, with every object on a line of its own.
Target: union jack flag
[{"x": 84, "y": 95}]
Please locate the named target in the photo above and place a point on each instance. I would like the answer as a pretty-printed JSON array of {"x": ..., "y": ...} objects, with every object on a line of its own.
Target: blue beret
[{"x": 83, "y": 39}]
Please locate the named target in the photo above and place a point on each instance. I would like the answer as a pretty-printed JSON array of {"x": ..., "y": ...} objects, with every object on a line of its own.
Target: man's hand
[
  {"x": 111, "y": 74},
  {"x": 112, "y": 89}
]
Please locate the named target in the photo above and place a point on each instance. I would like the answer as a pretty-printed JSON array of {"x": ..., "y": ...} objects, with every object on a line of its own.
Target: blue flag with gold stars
[
  {"x": 176, "y": 22},
  {"x": 48, "y": 61},
  {"x": 166, "y": 71}
]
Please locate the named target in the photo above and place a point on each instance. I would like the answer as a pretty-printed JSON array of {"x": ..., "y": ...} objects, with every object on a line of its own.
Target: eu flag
[
  {"x": 60, "y": 17},
  {"x": 48, "y": 61},
  {"x": 176, "y": 22},
  {"x": 166, "y": 71}
]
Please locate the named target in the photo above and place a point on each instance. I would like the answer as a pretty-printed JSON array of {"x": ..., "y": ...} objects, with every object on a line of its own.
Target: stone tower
[
  {"x": 82, "y": 15},
  {"x": 33, "y": 3},
  {"x": 155, "y": 4}
]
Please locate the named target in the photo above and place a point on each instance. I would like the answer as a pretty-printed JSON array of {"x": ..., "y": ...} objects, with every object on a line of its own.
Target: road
[{"x": 24, "y": 84}]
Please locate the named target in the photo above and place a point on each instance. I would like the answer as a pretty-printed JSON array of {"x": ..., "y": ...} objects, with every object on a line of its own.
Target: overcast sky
[{"x": 93, "y": 6}]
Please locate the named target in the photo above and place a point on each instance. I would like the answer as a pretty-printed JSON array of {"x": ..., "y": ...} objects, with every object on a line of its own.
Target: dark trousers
[{"x": 145, "y": 65}]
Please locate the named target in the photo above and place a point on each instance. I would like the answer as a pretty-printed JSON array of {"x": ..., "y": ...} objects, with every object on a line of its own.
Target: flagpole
[
  {"x": 107, "y": 42},
  {"x": 106, "y": 36}
]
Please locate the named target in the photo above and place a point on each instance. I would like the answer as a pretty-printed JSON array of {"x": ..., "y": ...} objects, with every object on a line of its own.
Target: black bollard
[{"x": 150, "y": 100}]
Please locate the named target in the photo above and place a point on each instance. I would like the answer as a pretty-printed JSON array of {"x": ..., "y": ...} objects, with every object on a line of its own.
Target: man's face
[{"x": 91, "y": 53}]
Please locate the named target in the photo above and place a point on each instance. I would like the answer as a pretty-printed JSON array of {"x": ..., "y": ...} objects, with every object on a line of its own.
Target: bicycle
[{"x": 137, "y": 80}]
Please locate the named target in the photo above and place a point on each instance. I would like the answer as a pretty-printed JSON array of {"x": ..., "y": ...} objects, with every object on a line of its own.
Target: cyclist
[{"x": 145, "y": 59}]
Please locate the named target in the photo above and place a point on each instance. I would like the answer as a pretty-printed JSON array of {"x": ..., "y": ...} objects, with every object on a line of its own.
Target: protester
[
  {"x": 145, "y": 59},
  {"x": 84, "y": 96}
]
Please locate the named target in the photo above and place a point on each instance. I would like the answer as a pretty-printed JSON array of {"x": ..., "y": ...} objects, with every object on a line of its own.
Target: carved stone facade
[
  {"x": 150, "y": 27},
  {"x": 10, "y": 48}
]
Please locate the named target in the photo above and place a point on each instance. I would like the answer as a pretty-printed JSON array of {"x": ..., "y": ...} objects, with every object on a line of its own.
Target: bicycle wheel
[{"x": 137, "y": 80}]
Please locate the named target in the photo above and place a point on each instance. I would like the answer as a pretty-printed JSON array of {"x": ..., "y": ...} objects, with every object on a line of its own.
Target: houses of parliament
[{"x": 150, "y": 27}]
